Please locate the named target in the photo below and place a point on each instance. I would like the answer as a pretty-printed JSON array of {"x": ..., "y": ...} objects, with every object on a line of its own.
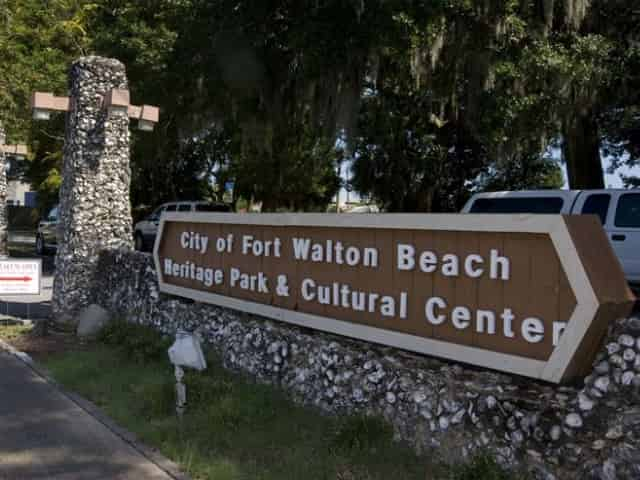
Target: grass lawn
[
  {"x": 10, "y": 332},
  {"x": 233, "y": 428}
]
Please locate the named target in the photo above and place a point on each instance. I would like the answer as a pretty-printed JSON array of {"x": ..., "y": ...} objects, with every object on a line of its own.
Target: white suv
[
  {"x": 145, "y": 230},
  {"x": 618, "y": 210}
]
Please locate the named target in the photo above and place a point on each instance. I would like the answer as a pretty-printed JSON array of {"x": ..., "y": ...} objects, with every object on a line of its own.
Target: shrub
[
  {"x": 138, "y": 342},
  {"x": 113, "y": 333},
  {"x": 261, "y": 404},
  {"x": 216, "y": 394},
  {"x": 482, "y": 467},
  {"x": 226, "y": 413},
  {"x": 157, "y": 400},
  {"x": 203, "y": 388},
  {"x": 360, "y": 433}
]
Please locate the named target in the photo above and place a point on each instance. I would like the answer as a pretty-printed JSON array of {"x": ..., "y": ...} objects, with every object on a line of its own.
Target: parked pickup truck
[{"x": 618, "y": 210}]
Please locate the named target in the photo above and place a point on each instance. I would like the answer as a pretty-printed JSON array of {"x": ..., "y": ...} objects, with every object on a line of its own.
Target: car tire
[
  {"x": 40, "y": 248},
  {"x": 138, "y": 242}
]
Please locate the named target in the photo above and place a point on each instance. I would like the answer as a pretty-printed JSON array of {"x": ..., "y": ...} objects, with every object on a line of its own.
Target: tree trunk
[
  {"x": 581, "y": 151},
  {"x": 424, "y": 202},
  {"x": 269, "y": 204}
]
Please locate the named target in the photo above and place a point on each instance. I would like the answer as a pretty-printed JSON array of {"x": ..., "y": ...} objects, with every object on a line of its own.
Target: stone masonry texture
[
  {"x": 586, "y": 430},
  {"x": 4, "y": 249},
  {"x": 95, "y": 212}
]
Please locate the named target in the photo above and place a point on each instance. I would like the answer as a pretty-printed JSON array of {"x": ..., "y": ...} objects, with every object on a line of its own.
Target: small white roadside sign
[{"x": 20, "y": 277}]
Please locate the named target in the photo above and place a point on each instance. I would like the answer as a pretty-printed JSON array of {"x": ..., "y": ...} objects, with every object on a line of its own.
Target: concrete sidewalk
[{"x": 45, "y": 435}]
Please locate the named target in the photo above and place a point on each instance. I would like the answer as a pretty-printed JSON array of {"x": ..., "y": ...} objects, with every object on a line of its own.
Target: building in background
[
  {"x": 19, "y": 191},
  {"x": 347, "y": 200},
  {"x": 19, "y": 194}
]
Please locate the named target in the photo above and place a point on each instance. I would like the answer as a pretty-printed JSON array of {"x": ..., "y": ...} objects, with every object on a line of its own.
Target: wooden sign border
[{"x": 554, "y": 370}]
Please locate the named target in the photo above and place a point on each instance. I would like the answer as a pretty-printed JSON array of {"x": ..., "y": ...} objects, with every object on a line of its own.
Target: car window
[
  {"x": 597, "y": 204},
  {"x": 518, "y": 205},
  {"x": 212, "y": 207},
  {"x": 53, "y": 215},
  {"x": 171, "y": 208},
  {"x": 628, "y": 211},
  {"x": 185, "y": 207},
  {"x": 155, "y": 215}
]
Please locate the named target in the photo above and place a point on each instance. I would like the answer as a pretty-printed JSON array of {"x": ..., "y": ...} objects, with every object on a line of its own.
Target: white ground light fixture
[
  {"x": 16, "y": 150},
  {"x": 186, "y": 351},
  {"x": 116, "y": 101},
  {"x": 147, "y": 116},
  {"x": 43, "y": 103},
  {"x": 41, "y": 114}
]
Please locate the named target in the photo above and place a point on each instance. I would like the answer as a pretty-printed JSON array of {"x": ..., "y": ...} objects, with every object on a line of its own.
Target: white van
[{"x": 619, "y": 212}]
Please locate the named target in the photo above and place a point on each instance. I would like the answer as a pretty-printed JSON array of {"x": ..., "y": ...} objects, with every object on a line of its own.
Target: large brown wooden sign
[{"x": 530, "y": 295}]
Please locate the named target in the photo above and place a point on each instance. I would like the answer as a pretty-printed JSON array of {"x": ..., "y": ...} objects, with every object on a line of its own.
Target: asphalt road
[{"x": 45, "y": 435}]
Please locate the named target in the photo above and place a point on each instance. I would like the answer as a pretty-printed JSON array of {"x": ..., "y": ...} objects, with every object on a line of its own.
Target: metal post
[{"x": 181, "y": 392}]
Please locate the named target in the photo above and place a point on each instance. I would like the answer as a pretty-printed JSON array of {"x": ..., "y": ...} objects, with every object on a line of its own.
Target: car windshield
[
  {"x": 156, "y": 213},
  {"x": 53, "y": 214}
]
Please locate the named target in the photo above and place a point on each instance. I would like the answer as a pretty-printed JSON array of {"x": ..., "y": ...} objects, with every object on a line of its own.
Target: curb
[{"x": 153, "y": 455}]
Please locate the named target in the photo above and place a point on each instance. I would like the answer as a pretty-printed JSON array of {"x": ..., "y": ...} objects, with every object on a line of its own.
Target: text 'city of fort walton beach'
[{"x": 436, "y": 310}]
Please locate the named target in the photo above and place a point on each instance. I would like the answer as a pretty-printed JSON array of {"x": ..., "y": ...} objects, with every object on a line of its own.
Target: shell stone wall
[
  {"x": 95, "y": 211},
  {"x": 587, "y": 430},
  {"x": 4, "y": 251}
]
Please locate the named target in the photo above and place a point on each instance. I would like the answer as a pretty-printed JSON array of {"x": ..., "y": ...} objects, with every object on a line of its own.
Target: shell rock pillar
[
  {"x": 95, "y": 212},
  {"x": 4, "y": 247}
]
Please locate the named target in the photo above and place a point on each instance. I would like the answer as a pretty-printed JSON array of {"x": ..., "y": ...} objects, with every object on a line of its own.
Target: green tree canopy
[
  {"x": 38, "y": 40},
  {"x": 433, "y": 98}
]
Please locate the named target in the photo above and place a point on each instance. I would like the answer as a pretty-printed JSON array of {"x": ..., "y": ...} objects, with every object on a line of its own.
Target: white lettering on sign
[
  {"x": 334, "y": 252},
  {"x": 190, "y": 271},
  {"x": 532, "y": 329},
  {"x": 260, "y": 248},
  {"x": 224, "y": 244},
  {"x": 508, "y": 317},
  {"x": 245, "y": 281},
  {"x": 341, "y": 295},
  {"x": 558, "y": 328},
  {"x": 500, "y": 264},
  {"x": 486, "y": 322},
  {"x": 194, "y": 241},
  {"x": 469, "y": 269},
  {"x": 460, "y": 317},
  {"x": 427, "y": 262},
  {"x": 430, "y": 310}
]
